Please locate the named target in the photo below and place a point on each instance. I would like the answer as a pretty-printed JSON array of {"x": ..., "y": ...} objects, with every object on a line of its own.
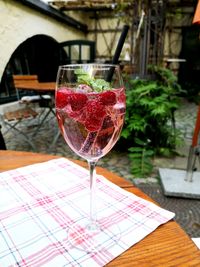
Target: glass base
[{"x": 93, "y": 237}]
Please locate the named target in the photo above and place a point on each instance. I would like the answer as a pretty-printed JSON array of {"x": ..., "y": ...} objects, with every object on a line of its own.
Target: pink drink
[{"x": 90, "y": 122}]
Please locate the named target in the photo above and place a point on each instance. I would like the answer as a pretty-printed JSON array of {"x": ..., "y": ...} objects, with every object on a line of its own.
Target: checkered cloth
[{"x": 39, "y": 202}]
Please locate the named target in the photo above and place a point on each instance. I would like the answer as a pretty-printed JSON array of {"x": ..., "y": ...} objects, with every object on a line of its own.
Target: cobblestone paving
[{"x": 187, "y": 211}]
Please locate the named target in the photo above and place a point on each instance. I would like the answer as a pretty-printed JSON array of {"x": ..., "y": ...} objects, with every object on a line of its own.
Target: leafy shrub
[{"x": 149, "y": 124}]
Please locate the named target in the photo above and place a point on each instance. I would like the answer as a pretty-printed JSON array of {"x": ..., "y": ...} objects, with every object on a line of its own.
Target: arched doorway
[{"x": 39, "y": 55}]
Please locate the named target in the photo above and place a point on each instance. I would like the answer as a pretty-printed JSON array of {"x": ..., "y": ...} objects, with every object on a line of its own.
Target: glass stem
[{"x": 92, "y": 165}]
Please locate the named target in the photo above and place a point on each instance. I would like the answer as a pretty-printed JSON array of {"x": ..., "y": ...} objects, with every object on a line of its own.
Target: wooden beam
[
  {"x": 105, "y": 30},
  {"x": 88, "y": 6}
]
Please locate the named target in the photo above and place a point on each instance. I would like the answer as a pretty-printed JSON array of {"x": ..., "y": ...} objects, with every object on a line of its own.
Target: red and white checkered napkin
[{"x": 39, "y": 202}]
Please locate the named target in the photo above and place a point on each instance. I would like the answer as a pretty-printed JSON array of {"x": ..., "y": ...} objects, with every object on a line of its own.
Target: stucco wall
[
  {"x": 106, "y": 42},
  {"x": 18, "y": 22}
]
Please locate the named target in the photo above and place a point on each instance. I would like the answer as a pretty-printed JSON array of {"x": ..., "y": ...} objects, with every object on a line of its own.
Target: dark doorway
[
  {"x": 39, "y": 55},
  {"x": 189, "y": 72}
]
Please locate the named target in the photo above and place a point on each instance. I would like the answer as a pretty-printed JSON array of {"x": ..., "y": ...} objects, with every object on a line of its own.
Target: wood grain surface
[
  {"x": 38, "y": 87},
  {"x": 167, "y": 246}
]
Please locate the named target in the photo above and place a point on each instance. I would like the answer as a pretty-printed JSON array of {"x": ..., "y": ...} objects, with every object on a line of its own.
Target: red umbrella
[{"x": 196, "y": 18}]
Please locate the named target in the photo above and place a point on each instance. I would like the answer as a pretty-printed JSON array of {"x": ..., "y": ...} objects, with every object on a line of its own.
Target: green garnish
[
  {"x": 98, "y": 85},
  {"x": 83, "y": 76}
]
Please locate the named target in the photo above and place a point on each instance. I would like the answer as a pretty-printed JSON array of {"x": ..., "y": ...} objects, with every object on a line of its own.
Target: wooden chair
[
  {"x": 42, "y": 99},
  {"x": 17, "y": 117}
]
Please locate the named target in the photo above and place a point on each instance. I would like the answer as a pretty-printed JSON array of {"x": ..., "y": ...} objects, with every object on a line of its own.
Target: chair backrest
[
  {"x": 79, "y": 51},
  {"x": 19, "y": 79}
]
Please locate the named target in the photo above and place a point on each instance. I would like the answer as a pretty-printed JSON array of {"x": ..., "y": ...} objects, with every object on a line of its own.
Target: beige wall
[
  {"x": 106, "y": 42},
  {"x": 18, "y": 22}
]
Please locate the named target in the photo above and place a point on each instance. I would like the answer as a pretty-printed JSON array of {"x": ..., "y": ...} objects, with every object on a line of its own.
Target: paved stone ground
[{"x": 187, "y": 210}]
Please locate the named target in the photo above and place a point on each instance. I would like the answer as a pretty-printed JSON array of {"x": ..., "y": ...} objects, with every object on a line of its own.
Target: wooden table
[{"x": 167, "y": 246}]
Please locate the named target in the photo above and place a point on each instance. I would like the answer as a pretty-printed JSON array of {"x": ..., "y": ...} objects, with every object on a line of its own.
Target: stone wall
[{"x": 19, "y": 22}]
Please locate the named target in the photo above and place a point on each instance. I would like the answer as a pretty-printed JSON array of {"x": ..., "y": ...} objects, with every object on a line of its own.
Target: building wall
[
  {"x": 106, "y": 39},
  {"x": 173, "y": 35},
  {"x": 18, "y": 23}
]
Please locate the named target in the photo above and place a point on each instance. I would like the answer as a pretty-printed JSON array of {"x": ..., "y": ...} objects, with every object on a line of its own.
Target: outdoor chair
[
  {"x": 19, "y": 117},
  {"x": 42, "y": 99},
  {"x": 39, "y": 99},
  {"x": 79, "y": 51}
]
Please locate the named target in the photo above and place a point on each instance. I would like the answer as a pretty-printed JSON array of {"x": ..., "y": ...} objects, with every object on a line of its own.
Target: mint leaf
[
  {"x": 98, "y": 85},
  {"x": 83, "y": 77},
  {"x": 80, "y": 72}
]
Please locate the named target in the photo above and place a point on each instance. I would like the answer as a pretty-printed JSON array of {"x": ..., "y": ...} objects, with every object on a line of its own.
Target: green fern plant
[
  {"x": 141, "y": 157},
  {"x": 150, "y": 118}
]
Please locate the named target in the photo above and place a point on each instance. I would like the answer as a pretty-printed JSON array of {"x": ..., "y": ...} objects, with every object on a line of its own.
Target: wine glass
[{"x": 90, "y": 109}]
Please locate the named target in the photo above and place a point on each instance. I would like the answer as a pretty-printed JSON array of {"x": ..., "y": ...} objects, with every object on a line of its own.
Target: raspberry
[
  {"x": 108, "y": 98},
  {"x": 94, "y": 108},
  {"x": 95, "y": 114},
  {"x": 62, "y": 98},
  {"x": 93, "y": 124},
  {"x": 77, "y": 101}
]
